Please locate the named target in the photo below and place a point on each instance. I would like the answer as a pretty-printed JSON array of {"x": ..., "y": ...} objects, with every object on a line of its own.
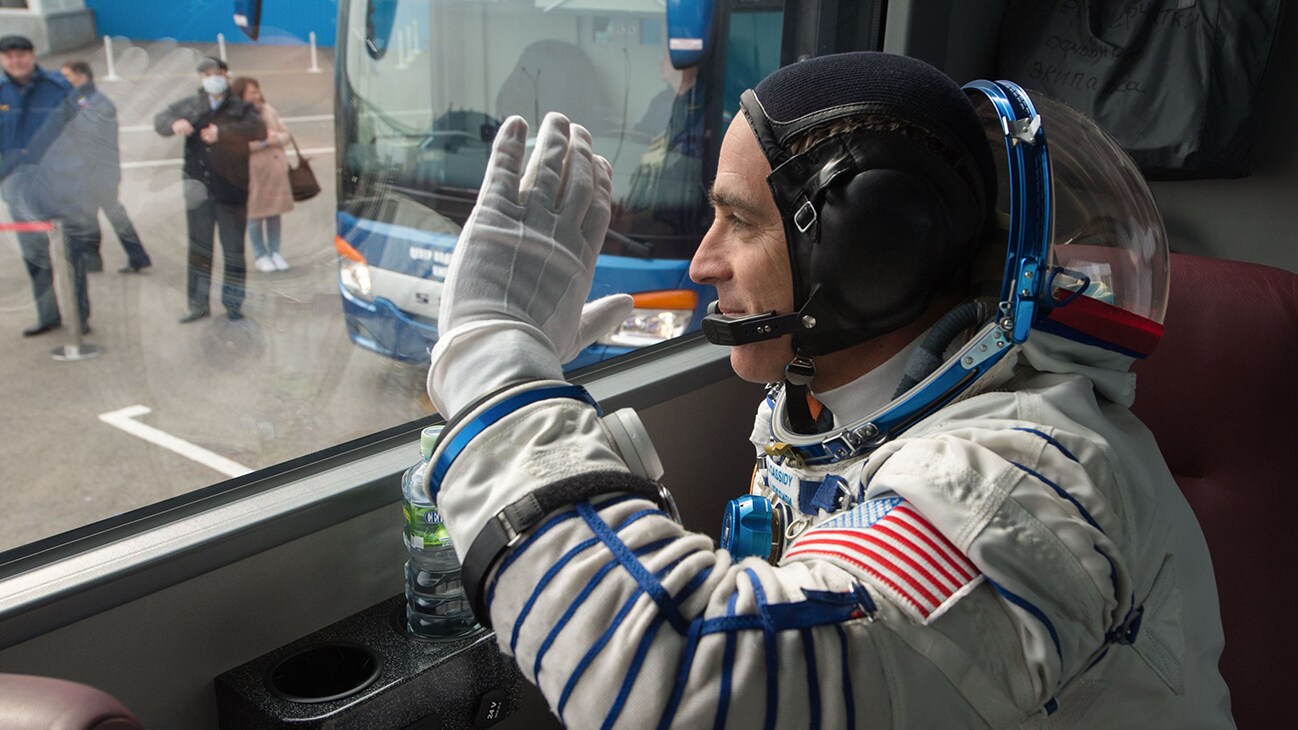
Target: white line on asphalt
[
  {"x": 287, "y": 120},
  {"x": 178, "y": 160},
  {"x": 124, "y": 419}
]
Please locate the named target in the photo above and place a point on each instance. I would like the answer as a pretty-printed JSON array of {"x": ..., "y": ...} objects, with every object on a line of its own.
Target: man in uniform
[
  {"x": 31, "y": 106},
  {"x": 978, "y": 531}
]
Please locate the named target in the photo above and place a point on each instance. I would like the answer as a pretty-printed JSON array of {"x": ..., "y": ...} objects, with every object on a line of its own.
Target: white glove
[{"x": 512, "y": 305}]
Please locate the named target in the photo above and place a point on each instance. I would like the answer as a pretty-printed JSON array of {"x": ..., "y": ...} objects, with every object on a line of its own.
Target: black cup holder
[{"x": 323, "y": 673}]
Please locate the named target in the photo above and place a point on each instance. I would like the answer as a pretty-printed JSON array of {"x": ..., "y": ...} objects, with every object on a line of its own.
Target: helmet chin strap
[{"x": 797, "y": 379}]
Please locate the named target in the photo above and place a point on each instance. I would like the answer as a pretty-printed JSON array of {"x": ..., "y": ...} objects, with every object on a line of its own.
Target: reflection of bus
[{"x": 424, "y": 84}]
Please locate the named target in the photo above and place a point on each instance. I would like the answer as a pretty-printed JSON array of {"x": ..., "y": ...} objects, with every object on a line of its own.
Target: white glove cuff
[{"x": 482, "y": 357}]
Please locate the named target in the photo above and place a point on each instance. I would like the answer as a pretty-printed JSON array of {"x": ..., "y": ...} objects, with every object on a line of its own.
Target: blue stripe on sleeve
[
  {"x": 772, "y": 655},
  {"x": 604, "y": 638},
  {"x": 633, "y": 671},
  {"x": 1063, "y": 493},
  {"x": 731, "y": 624},
  {"x": 522, "y": 547},
  {"x": 682, "y": 674},
  {"x": 813, "y": 681},
  {"x": 648, "y": 583},
  {"x": 595, "y": 649},
  {"x": 727, "y": 669},
  {"x": 554, "y": 569},
  {"x": 849, "y": 702},
  {"x": 1036, "y": 613},
  {"x": 1113, "y": 570},
  {"x": 531, "y": 539},
  {"x": 1050, "y": 440},
  {"x": 541, "y": 585},
  {"x": 580, "y": 599}
]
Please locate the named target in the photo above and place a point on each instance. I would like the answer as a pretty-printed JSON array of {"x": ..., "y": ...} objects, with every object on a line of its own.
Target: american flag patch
[{"x": 900, "y": 554}]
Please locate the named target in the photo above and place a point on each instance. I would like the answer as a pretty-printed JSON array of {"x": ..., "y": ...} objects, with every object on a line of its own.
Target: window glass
[{"x": 224, "y": 338}]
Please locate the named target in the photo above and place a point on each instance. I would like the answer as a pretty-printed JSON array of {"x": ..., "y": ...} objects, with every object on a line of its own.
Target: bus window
[
  {"x": 752, "y": 51},
  {"x": 416, "y": 127},
  {"x": 184, "y": 411},
  {"x": 379, "y": 17}
]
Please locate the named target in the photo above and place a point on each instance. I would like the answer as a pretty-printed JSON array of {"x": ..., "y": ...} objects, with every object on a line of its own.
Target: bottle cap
[{"x": 428, "y": 440}]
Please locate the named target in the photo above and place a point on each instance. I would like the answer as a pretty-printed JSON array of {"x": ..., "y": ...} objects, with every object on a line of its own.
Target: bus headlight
[
  {"x": 355, "y": 278},
  {"x": 353, "y": 270},
  {"x": 658, "y": 316}
]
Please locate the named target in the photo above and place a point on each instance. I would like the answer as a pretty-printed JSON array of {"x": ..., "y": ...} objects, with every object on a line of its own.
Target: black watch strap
[{"x": 510, "y": 524}]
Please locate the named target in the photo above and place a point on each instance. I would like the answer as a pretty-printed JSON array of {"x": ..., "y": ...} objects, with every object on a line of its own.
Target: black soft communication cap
[
  {"x": 16, "y": 43},
  {"x": 813, "y": 92}
]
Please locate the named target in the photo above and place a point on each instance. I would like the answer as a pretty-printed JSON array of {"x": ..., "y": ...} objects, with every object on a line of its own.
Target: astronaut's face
[{"x": 744, "y": 255}]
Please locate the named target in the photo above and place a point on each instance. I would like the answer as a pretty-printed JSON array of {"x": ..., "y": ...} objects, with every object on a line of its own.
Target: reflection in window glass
[
  {"x": 416, "y": 127},
  {"x": 228, "y": 345}
]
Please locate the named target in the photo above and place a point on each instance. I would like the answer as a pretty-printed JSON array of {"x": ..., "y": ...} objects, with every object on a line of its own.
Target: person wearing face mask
[{"x": 217, "y": 128}]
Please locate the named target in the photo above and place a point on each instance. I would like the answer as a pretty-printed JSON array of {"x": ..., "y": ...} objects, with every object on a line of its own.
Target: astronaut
[{"x": 955, "y": 520}]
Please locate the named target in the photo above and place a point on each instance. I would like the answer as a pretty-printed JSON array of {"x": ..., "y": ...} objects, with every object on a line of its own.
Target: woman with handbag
[{"x": 269, "y": 194}]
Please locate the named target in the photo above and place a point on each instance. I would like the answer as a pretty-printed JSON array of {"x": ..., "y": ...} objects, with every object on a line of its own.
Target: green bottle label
[{"x": 424, "y": 527}]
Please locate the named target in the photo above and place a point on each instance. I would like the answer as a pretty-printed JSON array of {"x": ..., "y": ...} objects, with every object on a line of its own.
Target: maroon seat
[
  {"x": 1221, "y": 396},
  {"x": 44, "y": 703}
]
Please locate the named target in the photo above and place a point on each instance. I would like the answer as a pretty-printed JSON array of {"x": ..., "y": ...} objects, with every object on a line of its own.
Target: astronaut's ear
[{"x": 890, "y": 230}]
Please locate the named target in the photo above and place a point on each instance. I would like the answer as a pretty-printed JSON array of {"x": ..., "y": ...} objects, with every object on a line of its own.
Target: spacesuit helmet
[{"x": 1104, "y": 266}]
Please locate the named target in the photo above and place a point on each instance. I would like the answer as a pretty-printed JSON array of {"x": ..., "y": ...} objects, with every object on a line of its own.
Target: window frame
[{"x": 61, "y": 580}]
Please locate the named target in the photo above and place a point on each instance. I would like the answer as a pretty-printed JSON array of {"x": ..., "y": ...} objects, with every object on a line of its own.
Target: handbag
[
  {"x": 1175, "y": 82},
  {"x": 300, "y": 178}
]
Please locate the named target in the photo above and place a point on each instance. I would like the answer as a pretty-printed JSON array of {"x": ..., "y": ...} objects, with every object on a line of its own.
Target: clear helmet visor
[{"x": 1108, "y": 252}]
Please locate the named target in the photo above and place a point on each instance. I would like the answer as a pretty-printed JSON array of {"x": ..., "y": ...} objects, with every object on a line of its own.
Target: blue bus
[{"x": 424, "y": 84}]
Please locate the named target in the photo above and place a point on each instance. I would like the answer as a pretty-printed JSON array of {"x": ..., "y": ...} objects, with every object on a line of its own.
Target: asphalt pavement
[{"x": 169, "y": 408}]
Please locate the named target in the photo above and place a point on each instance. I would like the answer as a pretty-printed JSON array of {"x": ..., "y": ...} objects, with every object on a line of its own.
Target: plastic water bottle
[{"x": 436, "y": 606}]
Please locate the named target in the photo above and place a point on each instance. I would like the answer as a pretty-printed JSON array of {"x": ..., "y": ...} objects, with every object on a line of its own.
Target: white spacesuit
[{"x": 1011, "y": 551}]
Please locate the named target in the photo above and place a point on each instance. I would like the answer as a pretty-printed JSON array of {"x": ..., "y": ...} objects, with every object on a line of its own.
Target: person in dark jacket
[
  {"x": 217, "y": 128},
  {"x": 31, "y": 109},
  {"x": 93, "y": 135}
]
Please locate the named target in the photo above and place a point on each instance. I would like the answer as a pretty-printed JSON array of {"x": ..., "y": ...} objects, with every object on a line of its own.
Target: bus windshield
[{"x": 425, "y": 84}]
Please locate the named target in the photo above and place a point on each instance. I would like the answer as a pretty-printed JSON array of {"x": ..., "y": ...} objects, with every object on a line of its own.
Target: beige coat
[{"x": 268, "y": 189}]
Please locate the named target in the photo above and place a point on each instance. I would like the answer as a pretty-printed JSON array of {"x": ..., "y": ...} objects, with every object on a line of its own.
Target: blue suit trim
[
  {"x": 682, "y": 674},
  {"x": 595, "y": 649},
  {"x": 849, "y": 701},
  {"x": 772, "y": 654},
  {"x": 581, "y": 598},
  {"x": 637, "y": 662},
  {"x": 1037, "y": 613},
  {"x": 648, "y": 583},
  {"x": 813, "y": 680},
  {"x": 1113, "y": 568},
  {"x": 1050, "y": 440},
  {"x": 727, "y": 669},
  {"x": 536, "y": 535},
  {"x": 633, "y": 671},
  {"x": 541, "y": 585},
  {"x": 1062, "y": 493},
  {"x": 461, "y": 437}
]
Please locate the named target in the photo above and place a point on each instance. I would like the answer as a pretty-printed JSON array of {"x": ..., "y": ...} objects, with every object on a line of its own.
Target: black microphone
[{"x": 721, "y": 329}]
